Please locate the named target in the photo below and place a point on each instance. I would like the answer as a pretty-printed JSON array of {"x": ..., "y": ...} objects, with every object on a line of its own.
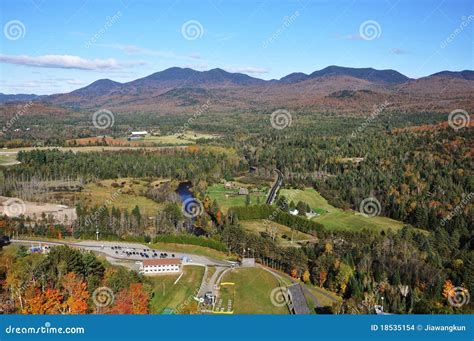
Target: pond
[
  {"x": 184, "y": 190},
  {"x": 185, "y": 193}
]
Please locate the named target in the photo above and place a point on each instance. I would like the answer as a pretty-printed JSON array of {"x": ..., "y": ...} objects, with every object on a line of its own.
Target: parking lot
[{"x": 144, "y": 253}]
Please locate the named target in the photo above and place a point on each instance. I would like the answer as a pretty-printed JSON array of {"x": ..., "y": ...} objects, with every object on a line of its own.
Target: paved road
[
  {"x": 209, "y": 284},
  {"x": 105, "y": 248},
  {"x": 276, "y": 186}
]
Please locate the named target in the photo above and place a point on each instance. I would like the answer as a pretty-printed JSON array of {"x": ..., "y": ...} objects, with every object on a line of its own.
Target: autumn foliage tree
[
  {"x": 133, "y": 300},
  {"x": 38, "y": 302},
  {"x": 306, "y": 276},
  {"x": 77, "y": 294}
]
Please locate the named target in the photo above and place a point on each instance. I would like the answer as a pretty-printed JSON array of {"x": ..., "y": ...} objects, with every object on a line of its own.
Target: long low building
[{"x": 161, "y": 266}]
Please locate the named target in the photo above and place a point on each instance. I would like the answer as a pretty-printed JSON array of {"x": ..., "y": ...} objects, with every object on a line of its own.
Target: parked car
[{"x": 5, "y": 240}]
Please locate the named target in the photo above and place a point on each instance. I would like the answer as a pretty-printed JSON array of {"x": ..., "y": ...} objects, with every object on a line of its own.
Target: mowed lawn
[
  {"x": 166, "y": 294},
  {"x": 188, "y": 248},
  {"x": 227, "y": 198},
  {"x": 350, "y": 220},
  {"x": 309, "y": 196},
  {"x": 325, "y": 297},
  {"x": 334, "y": 218},
  {"x": 284, "y": 233},
  {"x": 187, "y": 138},
  {"x": 253, "y": 288},
  {"x": 8, "y": 159}
]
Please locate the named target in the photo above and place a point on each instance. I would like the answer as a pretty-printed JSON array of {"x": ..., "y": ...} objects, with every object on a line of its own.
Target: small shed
[{"x": 243, "y": 191}]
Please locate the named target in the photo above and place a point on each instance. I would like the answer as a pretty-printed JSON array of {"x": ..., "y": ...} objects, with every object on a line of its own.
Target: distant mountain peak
[
  {"x": 99, "y": 86},
  {"x": 294, "y": 77},
  {"x": 186, "y": 77},
  {"x": 465, "y": 74},
  {"x": 370, "y": 74}
]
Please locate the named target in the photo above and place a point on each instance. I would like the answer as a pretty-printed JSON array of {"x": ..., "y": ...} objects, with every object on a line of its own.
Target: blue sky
[{"x": 51, "y": 46}]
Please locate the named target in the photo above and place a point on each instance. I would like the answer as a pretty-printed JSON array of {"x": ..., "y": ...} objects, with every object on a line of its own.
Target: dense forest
[{"x": 173, "y": 163}]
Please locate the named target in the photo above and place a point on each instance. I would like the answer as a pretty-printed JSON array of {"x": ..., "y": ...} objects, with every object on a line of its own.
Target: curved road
[{"x": 276, "y": 186}]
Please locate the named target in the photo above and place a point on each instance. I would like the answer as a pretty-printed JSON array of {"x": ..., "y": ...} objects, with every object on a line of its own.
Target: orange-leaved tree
[
  {"x": 42, "y": 302},
  {"x": 76, "y": 293},
  {"x": 133, "y": 300}
]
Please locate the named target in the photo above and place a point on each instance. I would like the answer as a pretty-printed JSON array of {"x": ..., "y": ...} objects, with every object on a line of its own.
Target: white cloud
[
  {"x": 397, "y": 50},
  {"x": 138, "y": 50},
  {"x": 74, "y": 82},
  {"x": 248, "y": 69},
  {"x": 350, "y": 37},
  {"x": 66, "y": 62}
]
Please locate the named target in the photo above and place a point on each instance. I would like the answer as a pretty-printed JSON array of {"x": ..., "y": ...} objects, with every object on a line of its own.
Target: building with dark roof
[{"x": 297, "y": 301}]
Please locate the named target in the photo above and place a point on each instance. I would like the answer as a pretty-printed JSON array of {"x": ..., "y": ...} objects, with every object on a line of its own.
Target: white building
[
  {"x": 137, "y": 135},
  {"x": 294, "y": 212},
  {"x": 160, "y": 266}
]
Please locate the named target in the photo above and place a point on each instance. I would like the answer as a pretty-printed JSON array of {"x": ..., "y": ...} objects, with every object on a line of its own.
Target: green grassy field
[
  {"x": 336, "y": 219},
  {"x": 322, "y": 296},
  {"x": 187, "y": 138},
  {"x": 284, "y": 233},
  {"x": 350, "y": 220},
  {"x": 227, "y": 198},
  {"x": 309, "y": 196},
  {"x": 166, "y": 294},
  {"x": 187, "y": 248},
  {"x": 8, "y": 159},
  {"x": 226, "y": 301},
  {"x": 253, "y": 287}
]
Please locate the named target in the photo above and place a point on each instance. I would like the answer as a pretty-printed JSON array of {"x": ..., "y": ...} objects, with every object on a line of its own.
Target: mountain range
[{"x": 332, "y": 88}]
